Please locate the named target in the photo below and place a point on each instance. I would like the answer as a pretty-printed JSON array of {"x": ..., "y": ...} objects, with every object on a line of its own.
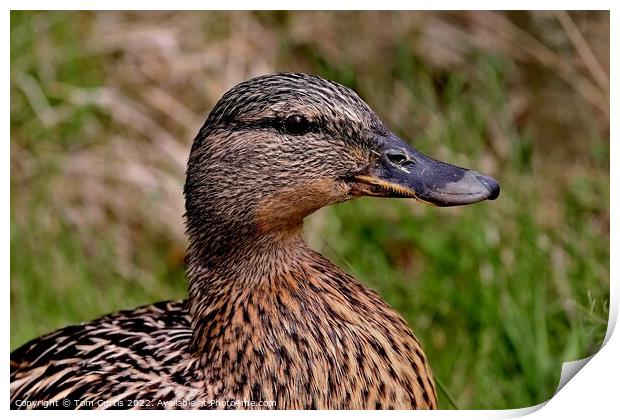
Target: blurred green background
[{"x": 104, "y": 107}]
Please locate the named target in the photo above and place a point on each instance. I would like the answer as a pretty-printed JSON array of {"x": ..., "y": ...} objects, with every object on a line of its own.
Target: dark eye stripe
[
  {"x": 267, "y": 123},
  {"x": 264, "y": 123}
]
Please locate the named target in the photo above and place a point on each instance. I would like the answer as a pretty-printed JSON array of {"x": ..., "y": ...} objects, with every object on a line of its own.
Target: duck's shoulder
[
  {"x": 121, "y": 329},
  {"x": 117, "y": 354}
]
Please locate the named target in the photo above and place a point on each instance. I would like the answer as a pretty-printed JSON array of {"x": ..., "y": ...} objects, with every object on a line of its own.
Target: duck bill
[{"x": 399, "y": 170}]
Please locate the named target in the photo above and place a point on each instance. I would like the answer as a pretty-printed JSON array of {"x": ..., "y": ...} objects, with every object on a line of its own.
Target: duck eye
[{"x": 296, "y": 124}]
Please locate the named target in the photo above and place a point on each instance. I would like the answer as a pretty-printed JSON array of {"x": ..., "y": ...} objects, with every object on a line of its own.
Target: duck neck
[{"x": 225, "y": 276}]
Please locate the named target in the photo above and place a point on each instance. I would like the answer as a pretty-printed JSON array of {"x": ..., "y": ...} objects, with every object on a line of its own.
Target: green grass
[{"x": 500, "y": 293}]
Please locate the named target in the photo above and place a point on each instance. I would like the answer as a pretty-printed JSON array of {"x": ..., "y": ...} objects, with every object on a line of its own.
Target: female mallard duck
[{"x": 269, "y": 323}]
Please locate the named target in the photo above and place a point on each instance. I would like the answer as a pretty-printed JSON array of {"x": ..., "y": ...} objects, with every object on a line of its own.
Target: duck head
[{"x": 278, "y": 147}]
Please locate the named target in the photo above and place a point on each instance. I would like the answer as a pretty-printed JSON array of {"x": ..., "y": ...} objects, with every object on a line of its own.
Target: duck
[{"x": 269, "y": 323}]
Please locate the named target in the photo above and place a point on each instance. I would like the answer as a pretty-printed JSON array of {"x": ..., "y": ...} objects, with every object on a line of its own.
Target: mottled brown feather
[{"x": 267, "y": 318}]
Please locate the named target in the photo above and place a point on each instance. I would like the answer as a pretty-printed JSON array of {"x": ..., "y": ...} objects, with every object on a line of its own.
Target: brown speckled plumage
[{"x": 267, "y": 318}]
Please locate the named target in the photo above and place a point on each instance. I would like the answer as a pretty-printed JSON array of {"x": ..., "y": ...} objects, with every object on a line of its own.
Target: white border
[
  {"x": 593, "y": 392},
  {"x": 305, "y": 5}
]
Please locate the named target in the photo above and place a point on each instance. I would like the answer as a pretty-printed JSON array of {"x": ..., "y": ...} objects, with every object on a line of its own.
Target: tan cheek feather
[{"x": 278, "y": 212}]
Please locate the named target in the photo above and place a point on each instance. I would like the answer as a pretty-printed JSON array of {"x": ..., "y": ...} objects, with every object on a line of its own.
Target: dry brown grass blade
[
  {"x": 584, "y": 50},
  {"x": 172, "y": 108},
  {"x": 528, "y": 44},
  {"x": 128, "y": 113}
]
